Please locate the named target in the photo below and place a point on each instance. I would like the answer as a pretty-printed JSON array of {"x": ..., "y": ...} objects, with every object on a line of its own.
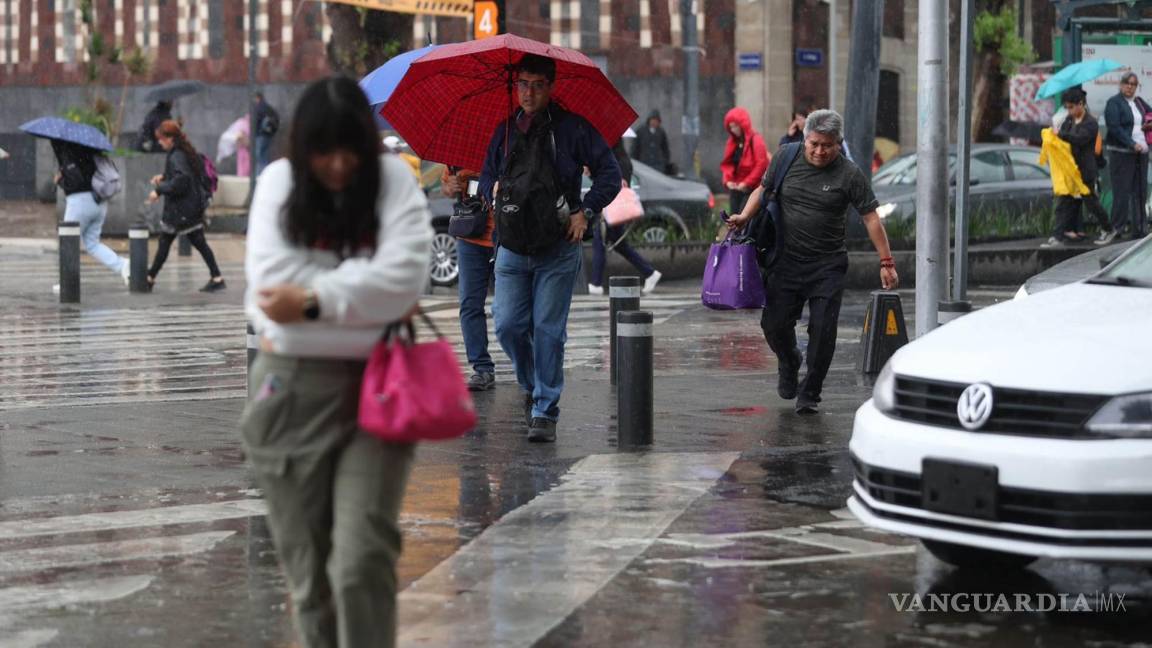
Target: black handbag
[{"x": 469, "y": 218}]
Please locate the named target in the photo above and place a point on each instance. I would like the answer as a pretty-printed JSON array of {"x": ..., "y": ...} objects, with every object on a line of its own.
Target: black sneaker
[
  {"x": 529, "y": 401},
  {"x": 807, "y": 404},
  {"x": 542, "y": 431},
  {"x": 789, "y": 377},
  {"x": 214, "y": 286},
  {"x": 481, "y": 381}
]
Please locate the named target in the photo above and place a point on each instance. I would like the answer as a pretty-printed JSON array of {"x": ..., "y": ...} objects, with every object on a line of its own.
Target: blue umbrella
[
  {"x": 58, "y": 128},
  {"x": 1075, "y": 74},
  {"x": 380, "y": 83}
]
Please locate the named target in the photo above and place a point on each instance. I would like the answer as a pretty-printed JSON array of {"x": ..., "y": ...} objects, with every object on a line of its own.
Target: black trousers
[
  {"x": 737, "y": 200},
  {"x": 791, "y": 285},
  {"x": 196, "y": 238},
  {"x": 1068, "y": 214},
  {"x": 1129, "y": 173}
]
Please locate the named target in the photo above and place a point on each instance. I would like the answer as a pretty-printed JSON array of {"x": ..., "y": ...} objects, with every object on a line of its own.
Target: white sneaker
[
  {"x": 1052, "y": 242},
  {"x": 651, "y": 281},
  {"x": 1106, "y": 237},
  {"x": 593, "y": 289},
  {"x": 126, "y": 271}
]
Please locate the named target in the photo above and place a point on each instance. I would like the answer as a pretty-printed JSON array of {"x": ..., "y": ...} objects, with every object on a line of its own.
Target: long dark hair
[
  {"x": 171, "y": 128},
  {"x": 333, "y": 114}
]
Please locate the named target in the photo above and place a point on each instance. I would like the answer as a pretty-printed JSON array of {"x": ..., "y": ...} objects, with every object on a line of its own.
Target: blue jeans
[
  {"x": 475, "y": 271},
  {"x": 83, "y": 209},
  {"x": 533, "y": 294},
  {"x": 600, "y": 253},
  {"x": 263, "y": 146}
]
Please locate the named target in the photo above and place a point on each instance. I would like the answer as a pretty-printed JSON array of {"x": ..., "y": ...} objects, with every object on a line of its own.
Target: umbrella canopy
[
  {"x": 58, "y": 128},
  {"x": 452, "y": 99},
  {"x": 1020, "y": 130},
  {"x": 1075, "y": 74},
  {"x": 379, "y": 84},
  {"x": 174, "y": 89}
]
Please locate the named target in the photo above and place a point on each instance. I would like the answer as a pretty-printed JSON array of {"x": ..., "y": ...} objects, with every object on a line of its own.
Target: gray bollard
[
  {"x": 634, "y": 397},
  {"x": 253, "y": 348},
  {"x": 623, "y": 295},
  {"x": 69, "y": 234},
  {"x": 184, "y": 246},
  {"x": 946, "y": 311},
  {"x": 138, "y": 259}
]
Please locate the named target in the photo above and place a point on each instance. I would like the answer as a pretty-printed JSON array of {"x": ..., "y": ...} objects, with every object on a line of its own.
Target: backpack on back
[
  {"x": 106, "y": 182},
  {"x": 531, "y": 214}
]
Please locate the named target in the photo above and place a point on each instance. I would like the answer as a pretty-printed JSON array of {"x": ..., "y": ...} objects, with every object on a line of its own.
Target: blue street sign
[
  {"x": 809, "y": 57},
  {"x": 751, "y": 60}
]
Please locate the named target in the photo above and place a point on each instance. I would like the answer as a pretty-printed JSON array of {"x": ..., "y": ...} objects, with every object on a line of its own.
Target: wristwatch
[{"x": 311, "y": 305}]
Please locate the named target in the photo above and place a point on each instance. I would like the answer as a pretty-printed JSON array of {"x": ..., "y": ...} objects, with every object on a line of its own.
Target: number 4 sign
[{"x": 486, "y": 20}]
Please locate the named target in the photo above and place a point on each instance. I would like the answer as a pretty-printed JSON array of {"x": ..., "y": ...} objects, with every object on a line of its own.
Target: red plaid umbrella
[{"x": 452, "y": 99}]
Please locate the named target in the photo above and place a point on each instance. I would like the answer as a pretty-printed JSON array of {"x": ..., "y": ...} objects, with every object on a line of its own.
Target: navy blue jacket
[
  {"x": 1118, "y": 117},
  {"x": 578, "y": 145}
]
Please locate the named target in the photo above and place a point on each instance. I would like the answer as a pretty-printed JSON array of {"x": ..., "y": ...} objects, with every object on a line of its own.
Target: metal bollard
[
  {"x": 634, "y": 418},
  {"x": 623, "y": 295},
  {"x": 138, "y": 259},
  {"x": 69, "y": 234},
  {"x": 253, "y": 348},
  {"x": 184, "y": 246},
  {"x": 946, "y": 311}
]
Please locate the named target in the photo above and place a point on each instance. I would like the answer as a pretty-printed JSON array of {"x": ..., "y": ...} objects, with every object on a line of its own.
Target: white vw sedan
[{"x": 1023, "y": 430}]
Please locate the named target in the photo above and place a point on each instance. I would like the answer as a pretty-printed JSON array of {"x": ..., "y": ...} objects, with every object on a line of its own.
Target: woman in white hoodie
[{"x": 338, "y": 247}]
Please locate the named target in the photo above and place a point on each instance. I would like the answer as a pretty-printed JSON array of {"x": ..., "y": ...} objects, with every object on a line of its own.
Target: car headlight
[
  {"x": 884, "y": 391},
  {"x": 885, "y": 210},
  {"x": 1127, "y": 416}
]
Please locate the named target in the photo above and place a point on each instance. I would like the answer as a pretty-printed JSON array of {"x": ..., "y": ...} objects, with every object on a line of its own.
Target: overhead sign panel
[{"x": 453, "y": 8}]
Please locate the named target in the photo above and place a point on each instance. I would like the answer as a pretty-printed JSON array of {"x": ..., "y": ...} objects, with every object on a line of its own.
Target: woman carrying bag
[
  {"x": 186, "y": 196},
  {"x": 338, "y": 248},
  {"x": 615, "y": 235}
]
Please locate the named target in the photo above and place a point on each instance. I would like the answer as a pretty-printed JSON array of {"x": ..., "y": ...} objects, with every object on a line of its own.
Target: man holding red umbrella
[{"x": 532, "y": 175}]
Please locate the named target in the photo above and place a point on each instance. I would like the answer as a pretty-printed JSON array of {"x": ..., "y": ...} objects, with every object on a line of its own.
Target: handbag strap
[{"x": 392, "y": 331}]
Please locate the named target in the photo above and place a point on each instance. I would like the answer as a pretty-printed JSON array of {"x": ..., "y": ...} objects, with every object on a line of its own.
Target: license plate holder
[{"x": 960, "y": 488}]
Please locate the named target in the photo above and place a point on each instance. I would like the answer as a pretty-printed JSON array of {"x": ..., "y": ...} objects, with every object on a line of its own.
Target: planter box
[{"x": 125, "y": 208}]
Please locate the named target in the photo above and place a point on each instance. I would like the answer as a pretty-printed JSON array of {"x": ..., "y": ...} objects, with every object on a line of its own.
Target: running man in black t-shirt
[{"x": 814, "y": 199}]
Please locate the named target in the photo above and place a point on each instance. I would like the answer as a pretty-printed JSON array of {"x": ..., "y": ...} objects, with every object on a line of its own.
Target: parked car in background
[
  {"x": 673, "y": 208},
  {"x": 1004, "y": 179},
  {"x": 1020, "y": 431}
]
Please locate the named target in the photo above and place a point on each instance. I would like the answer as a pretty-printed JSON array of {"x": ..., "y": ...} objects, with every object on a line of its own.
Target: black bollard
[
  {"x": 253, "y": 348},
  {"x": 69, "y": 263},
  {"x": 138, "y": 259},
  {"x": 634, "y": 401},
  {"x": 884, "y": 331},
  {"x": 946, "y": 311},
  {"x": 623, "y": 295},
  {"x": 184, "y": 245}
]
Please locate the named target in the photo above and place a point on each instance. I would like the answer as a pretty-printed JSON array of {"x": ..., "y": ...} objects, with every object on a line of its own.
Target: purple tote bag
[{"x": 731, "y": 277}]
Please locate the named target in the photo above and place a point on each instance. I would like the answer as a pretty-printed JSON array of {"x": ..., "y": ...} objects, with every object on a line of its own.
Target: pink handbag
[
  {"x": 414, "y": 391},
  {"x": 625, "y": 208}
]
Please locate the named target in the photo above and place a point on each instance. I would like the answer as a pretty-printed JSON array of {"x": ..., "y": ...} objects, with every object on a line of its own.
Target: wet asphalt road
[{"x": 127, "y": 517}]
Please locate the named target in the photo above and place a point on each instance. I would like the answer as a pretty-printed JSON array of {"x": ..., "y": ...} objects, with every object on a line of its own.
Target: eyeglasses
[{"x": 534, "y": 86}]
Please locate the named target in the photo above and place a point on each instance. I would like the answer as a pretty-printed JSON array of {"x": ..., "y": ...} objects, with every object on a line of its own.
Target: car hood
[{"x": 1080, "y": 338}]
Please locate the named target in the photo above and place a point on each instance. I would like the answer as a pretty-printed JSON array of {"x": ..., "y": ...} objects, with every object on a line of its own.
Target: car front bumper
[{"x": 1058, "y": 498}]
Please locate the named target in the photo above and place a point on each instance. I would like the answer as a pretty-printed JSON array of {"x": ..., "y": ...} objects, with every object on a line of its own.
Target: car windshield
[{"x": 1135, "y": 269}]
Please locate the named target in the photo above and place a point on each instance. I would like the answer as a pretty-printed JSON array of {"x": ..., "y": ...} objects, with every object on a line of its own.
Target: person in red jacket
[{"x": 745, "y": 160}]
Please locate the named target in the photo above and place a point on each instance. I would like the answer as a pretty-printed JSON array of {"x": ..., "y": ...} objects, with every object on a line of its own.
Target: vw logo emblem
[{"x": 975, "y": 406}]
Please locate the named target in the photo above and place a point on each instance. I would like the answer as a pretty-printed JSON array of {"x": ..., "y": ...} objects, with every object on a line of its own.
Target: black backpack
[{"x": 530, "y": 212}]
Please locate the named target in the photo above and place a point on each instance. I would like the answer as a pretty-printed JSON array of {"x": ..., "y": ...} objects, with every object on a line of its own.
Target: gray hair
[
  {"x": 1129, "y": 75},
  {"x": 825, "y": 122}
]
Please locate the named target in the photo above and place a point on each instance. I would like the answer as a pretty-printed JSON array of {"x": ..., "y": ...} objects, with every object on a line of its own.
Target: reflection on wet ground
[{"x": 759, "y": 554}]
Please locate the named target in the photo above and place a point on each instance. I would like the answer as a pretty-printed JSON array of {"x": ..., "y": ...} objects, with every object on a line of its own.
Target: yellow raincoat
[{"x": 1057, "y": 155}]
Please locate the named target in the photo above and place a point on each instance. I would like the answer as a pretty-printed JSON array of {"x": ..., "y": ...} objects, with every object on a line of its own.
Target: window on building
[
  {"x": 888, "y": 106},
  {"x": 894, "y": 19}
]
